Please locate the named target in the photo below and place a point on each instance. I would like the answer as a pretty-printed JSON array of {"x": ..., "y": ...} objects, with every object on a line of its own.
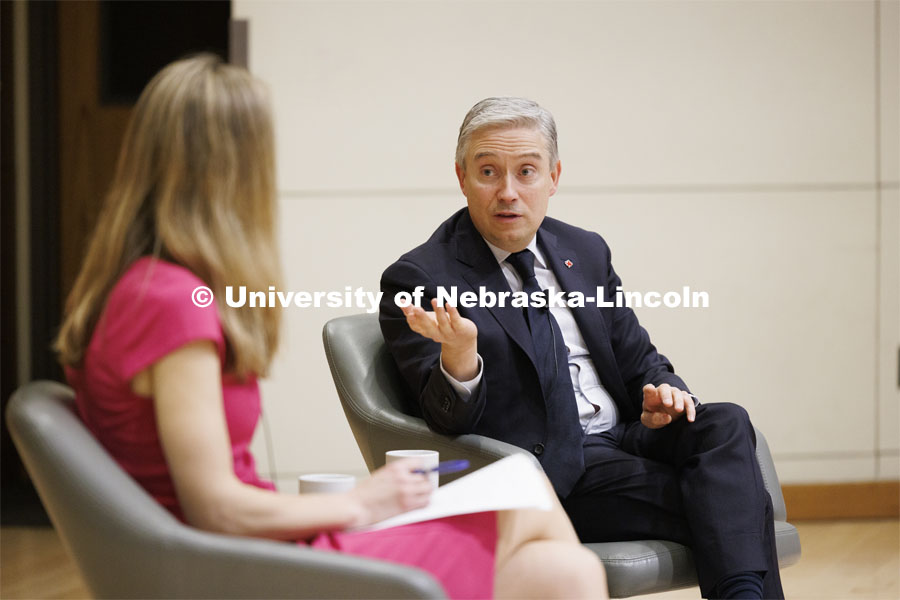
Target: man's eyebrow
[{"x": 522, "y": 155}]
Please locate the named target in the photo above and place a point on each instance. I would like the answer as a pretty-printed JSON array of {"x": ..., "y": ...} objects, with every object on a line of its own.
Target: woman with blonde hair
[{"x": 170, "y": 387}]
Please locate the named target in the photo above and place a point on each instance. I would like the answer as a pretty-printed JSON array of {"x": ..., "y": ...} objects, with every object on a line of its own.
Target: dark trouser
[{"x": 697, "y": 484}]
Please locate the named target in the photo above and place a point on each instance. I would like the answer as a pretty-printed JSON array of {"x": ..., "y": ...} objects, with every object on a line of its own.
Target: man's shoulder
[
  {"x": 572, "y": 234},
  {"x": 439, "y": 244}
]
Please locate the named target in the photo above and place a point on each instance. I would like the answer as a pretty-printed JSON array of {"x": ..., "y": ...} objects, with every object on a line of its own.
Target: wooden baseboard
[{"x": 876, "y": 499}]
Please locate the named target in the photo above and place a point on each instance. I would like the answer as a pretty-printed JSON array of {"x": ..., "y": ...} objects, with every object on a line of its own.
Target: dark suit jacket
[{"x": 509, "y": 404}]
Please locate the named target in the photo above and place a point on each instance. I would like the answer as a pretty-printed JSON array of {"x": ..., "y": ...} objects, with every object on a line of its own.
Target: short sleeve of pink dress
[{"x": 150, "y": 313}]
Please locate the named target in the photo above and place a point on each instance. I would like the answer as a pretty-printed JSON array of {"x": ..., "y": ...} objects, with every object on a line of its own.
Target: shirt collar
[{"x": 501, "y": 255}]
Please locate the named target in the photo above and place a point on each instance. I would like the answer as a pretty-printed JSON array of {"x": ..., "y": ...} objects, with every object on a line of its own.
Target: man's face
[{"x": 508, "y": 181}]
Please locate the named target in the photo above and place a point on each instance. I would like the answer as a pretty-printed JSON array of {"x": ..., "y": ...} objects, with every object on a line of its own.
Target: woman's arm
[{"x": 187, "y": 390}]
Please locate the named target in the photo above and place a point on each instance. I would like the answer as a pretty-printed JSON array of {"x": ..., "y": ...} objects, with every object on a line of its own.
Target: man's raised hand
[{"x": 457, "y": 335}]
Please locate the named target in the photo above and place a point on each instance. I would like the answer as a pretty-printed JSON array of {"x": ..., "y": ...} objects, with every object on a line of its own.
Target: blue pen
[{"x": 448, "y": 466}]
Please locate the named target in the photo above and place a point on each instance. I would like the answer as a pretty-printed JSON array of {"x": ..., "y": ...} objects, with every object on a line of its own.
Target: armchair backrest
[
  {"x": 370, "y": 387},
  {"x": 105, "y": 519}
]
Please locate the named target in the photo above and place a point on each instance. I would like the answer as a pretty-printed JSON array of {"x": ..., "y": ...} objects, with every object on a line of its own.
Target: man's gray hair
[{"x": 505, "y": 113}]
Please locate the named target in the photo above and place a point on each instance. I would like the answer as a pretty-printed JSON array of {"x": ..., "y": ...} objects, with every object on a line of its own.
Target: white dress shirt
[{"x": 596, "y": 408}]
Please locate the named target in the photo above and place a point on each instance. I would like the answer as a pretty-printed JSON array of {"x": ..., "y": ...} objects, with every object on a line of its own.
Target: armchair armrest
[
  {"x": 393, "y": 430},
  {"x": 205, "y": 565},
  {"x": 770, "y": 477}
]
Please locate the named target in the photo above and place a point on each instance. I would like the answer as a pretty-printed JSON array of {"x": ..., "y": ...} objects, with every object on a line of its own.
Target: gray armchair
[
  {"x": 128, "y": 546},
  {"x": 372, "y": 391}
]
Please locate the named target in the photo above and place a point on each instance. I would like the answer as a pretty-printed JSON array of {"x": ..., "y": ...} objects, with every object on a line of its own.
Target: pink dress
[{"x": 149, "y": 314}]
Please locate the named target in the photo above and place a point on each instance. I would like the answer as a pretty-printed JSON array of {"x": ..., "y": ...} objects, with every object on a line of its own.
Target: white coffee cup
[
  {"x": 427, "y": 459},
  {"x": 325, "y": 483}
]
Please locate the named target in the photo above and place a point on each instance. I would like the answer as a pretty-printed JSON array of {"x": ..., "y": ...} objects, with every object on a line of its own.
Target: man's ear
[
  {"x": 461, "y": 176},
  {"x": 554, "y": 176}
]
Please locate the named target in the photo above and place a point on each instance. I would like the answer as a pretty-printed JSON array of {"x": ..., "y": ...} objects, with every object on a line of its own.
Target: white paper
[{"x": 511, "y": 482}]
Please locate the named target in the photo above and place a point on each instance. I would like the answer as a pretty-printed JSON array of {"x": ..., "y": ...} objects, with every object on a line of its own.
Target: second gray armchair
[{"x": 373, "y": 396}]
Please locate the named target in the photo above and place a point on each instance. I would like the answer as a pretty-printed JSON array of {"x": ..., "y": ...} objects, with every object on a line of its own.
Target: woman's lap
[{"x": 458, "y": 551}]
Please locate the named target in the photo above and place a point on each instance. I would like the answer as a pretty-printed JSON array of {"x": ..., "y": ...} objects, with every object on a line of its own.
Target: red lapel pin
[{"x": 569, "y": 263}]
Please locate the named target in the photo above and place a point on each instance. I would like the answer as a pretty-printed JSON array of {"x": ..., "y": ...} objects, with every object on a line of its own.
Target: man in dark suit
[{"x": 628, "y": 450}]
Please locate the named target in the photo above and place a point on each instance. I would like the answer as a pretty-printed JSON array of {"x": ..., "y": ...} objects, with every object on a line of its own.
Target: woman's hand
[{"x": 391, "y": 490}]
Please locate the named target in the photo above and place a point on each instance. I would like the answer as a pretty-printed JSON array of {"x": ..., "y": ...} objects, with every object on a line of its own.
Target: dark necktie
[
  {"x": 562, "y": 457},
  {"x": 541, "y": 323}
]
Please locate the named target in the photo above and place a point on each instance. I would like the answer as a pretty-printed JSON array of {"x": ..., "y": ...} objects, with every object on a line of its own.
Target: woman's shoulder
[
  {"x": 154, "y": 287},
  {"x": 156, "y": 278},
  {"x": 154, "y": 308}
]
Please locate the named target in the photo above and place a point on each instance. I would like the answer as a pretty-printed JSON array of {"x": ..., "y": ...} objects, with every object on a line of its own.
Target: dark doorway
[{"x": 87, "y": 62}]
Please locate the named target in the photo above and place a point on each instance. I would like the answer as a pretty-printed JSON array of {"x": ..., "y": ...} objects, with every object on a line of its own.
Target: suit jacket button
[
  {"x": 446, "y": 405},
  {"x": 538, "y": 449}
]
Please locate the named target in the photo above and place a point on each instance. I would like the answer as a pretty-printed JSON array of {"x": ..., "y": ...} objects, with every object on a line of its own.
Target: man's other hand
[
  {"x": 457, "y": 335},
  {"x": 664, "y": 404}
]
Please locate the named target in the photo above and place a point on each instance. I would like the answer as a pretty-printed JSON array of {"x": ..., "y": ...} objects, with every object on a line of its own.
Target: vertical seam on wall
[
  {"x": 878, "y": 241},
  {"x": 22, "y": 150}
]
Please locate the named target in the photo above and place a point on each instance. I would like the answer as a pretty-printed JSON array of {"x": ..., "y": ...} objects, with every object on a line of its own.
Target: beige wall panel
[
  {"x": 889, "y": 467},
  {"x": 889, "y": 406},
  {"x": 825, "y": 470},
  {"x": 889, "y": 327},
  {"x": 329, "y": 243},
  {"x": 889, "y": 35},
  {"x": 789, "y": 331},
  {"x": 676, "y": 96},
  {"x": 786, "y": 335},
  {"x": 370, "y": 95}
]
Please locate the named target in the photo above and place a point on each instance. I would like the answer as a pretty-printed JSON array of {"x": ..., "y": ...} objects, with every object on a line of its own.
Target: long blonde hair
[{"x": 195, "y": 185}]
